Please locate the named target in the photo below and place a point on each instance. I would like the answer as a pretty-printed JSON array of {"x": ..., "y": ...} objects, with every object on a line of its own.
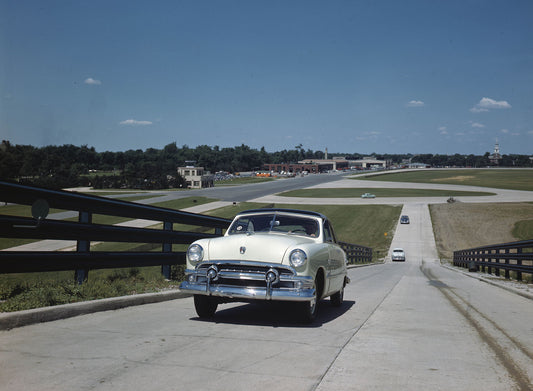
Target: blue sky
[{"x": 352, "y": 76}]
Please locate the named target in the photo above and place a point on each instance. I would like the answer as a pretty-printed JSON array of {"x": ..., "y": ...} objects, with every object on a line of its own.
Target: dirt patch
[
  {"x": 459, "y": 178},
  {"x": 461, "y": 226}
]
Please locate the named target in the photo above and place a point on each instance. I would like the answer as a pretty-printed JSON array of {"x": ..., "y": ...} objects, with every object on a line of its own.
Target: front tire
[
  {"x": 308, "y": 309},
  {"x": 337, "y": 298},
  {"x": 205, "y": 306}
]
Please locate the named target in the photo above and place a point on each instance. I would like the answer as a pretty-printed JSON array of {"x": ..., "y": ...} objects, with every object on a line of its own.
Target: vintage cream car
[{"x": 268, "y": 254}]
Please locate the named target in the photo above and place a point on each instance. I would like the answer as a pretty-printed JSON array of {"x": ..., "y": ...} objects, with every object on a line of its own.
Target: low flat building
[
  {"x": 336, "y": 163},
  {"x": 196, "y": 177},
  {"x": 291, "y": 168},
  {"x": 367, "y": 163}
]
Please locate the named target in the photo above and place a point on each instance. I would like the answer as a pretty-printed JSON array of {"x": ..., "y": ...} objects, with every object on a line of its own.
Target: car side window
[{"x": 329, "y": 236}]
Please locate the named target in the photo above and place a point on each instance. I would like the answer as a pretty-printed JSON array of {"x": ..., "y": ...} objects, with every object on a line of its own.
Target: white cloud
[
  {"x": 478, "y": 110},
  {"x": 134, "y": 122},
  {"x": 477, "y": 125},
  {"x": 415, "y": 103},
  {"x": 92, "y": 81},
  {"x": 493, "y": 104},
  {"x": 505, "y": 131},
  {"x": 530, "y": 132},
  {"x": 486, "y": 104}
]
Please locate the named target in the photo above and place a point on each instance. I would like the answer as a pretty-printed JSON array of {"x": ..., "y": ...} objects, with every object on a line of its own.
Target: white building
[{"x": 196, "y": 177}]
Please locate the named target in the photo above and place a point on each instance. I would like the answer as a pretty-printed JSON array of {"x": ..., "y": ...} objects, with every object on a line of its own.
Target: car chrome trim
[{"x": 248, "y": 280}]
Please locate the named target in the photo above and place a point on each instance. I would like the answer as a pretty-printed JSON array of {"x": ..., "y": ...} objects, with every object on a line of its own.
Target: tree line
[{"x": 70, "y": 166}]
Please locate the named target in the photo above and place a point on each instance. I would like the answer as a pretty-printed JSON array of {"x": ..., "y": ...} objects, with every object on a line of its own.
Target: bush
[{"x": 29, "y": 292}]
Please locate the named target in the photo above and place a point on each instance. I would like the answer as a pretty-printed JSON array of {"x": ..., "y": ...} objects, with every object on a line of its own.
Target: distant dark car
[{"x": 404, "y": 219}]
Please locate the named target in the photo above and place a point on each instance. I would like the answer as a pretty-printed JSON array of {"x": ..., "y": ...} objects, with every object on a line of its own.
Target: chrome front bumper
[{"x": 245, "y": 281}]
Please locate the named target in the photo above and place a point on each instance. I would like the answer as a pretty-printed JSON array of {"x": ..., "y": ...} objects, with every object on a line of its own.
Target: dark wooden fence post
[
  {"x": 507, "y": 274},
  {"x": 167, "y": 248},
  {"x": 83, "y": 246},
  {"x": 519, "y": 263}
]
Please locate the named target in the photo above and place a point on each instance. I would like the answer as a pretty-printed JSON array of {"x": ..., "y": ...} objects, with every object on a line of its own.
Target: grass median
[
  {"x": 513, "y": 179},
  {"x": 379, "y": 192}
]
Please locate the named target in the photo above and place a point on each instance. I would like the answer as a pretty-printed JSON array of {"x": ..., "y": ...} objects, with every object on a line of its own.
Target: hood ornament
[{"x": 242, "y": 250}]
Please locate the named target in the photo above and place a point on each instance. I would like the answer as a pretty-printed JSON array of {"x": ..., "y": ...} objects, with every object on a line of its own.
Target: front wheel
[
  {"x": 205, "y": 306},
  {"x": 308, "y": 309},
  {"x": 337, "y": 298}
]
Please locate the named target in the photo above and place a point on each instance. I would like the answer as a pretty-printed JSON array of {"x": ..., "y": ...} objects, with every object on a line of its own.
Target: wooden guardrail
[
  {"x": 84, "y": 231},
  {"x": 510, "y": 257},
  {"x": 356, "y": 253}
]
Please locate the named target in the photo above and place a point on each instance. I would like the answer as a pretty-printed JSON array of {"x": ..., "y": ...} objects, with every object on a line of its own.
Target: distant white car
[
  {"x": 368, "y": 195},
  {"x": 398, "y": 254}
]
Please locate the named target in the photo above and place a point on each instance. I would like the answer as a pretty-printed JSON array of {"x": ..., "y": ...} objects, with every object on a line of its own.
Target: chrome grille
[{"x": 246, "y": 274}]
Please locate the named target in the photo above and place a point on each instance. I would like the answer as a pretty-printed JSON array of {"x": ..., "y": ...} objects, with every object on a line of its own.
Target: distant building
[
  {"x": 337, "y": 163},
  {"x": 196, "y": 177},
  {"x": 495, "y": 157},
  {"x": 292, "y": 168},
  {"x": 368, "y": 162}
]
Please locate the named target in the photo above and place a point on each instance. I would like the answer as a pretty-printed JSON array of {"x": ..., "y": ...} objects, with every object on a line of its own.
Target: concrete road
[
  {"x": 410, "y": 325},
  {"x": 406, "y": 326}
]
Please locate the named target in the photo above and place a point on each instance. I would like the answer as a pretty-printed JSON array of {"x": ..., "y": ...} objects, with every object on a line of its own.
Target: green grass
[
  {"x": 365, "y": 225},
  {"x": 378, "y": 192},
  {"x": 33, "y": 290},
  {"x": 523, "y": 230},
  {"x": 513, "y": 179}
]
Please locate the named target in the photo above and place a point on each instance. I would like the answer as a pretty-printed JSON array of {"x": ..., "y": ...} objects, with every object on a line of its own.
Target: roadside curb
[
  {"x": 498, "y": 284},
  {"x": 363, "y": 265},
  {"x": 11, "y": 320}
]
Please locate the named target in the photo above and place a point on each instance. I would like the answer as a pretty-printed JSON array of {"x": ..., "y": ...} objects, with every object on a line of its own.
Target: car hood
[{"x": 257, "y": 247}]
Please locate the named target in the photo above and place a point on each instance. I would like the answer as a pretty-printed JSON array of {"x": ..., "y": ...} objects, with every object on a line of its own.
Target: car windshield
[{"x": 274, "y": 223}]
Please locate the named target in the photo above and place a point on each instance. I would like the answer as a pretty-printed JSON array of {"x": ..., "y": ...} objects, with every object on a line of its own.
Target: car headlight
[
  {"x": 195, "y": 253},
  {"x": 297, "y": 258}
]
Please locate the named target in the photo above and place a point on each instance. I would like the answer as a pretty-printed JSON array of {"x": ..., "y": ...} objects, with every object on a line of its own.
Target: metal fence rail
[
  {"x": 510, "y": 257},
  {"x": 356, "y": 253},
  {"x": 84, "y": 231}
]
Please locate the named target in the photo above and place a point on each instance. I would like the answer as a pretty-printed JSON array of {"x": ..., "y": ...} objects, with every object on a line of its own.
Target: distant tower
[
  {"x": 496, "y": 157},
  {"x": 326, "y": 157}
]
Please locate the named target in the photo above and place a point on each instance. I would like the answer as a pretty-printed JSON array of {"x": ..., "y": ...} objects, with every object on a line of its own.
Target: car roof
[{"x": 281, "y": 210}]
